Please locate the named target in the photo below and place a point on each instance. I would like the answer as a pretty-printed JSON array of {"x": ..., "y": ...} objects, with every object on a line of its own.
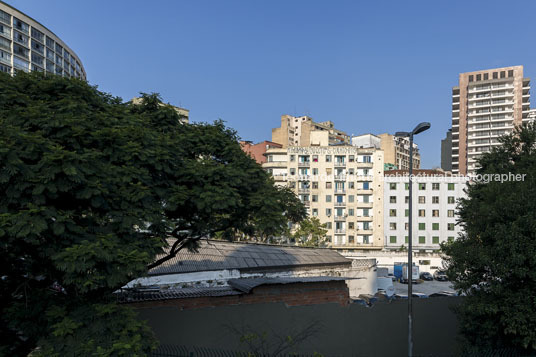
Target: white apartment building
[
  {"x": 341, "y": 185},
  {"x": 435, "y": 197}
]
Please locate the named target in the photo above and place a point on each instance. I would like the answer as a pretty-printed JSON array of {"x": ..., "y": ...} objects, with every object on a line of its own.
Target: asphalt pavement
[{"x": 426, "y": 287}]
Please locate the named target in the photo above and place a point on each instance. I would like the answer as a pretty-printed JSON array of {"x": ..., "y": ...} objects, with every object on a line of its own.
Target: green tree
[
  {"x": 93, "y": 190},
  {"x": 310, "y": 233},
  {"x": 494, "y": 261}
]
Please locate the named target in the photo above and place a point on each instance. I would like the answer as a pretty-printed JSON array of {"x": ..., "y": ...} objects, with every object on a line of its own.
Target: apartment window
[
  {"x": 422, "y": 186},
  {"x": 315, "y": 171},
  {"x": 435, "y": 213},
  {"x": 350, "y": 239},
  {"x": 450, "y": 213},
  {"x": 366, "y": 198},
  {"x": 328, "y": 238},
  {"x": 422, "y": 240},
  {"x": 366, "y": 185},
  {"x": 328, "y": 212},
  {"x": 435, "y": 240},
  {"x": 350, "y": 211},
  {"x": 406, "y": 199},
  {"x": 478, "y": 77},
  {"x": 315, "y": 212},
  {"x": 367, "y": 159},
  {"x": 451, "y": 187},
  {"x": 351, "y": 158},
  {"x": 4, "y": 68},
  {"x": 495, "y": 75},
  {"x": 392, "y": 186},
  {"x": 5, "y": 17},
  {"x": 422, "y": 199},
  {"x": 450, "y": 239},
  {"x": 20, "y": 51},
  {"x": 471, "y": 78},
  {"x": 406, "y": 185},
  {"x": 329, "y": 185},
  {"x": 366, "y": 239},
  {"x": 510, "y": 73},
  {"x": 328, "y": 225},
  {"x": 486, "y": 76},
  {"x": 314, "y": 198},
  {"x": 435, "y": 186},
  {"x": 392, "y": 239},
  {"x": 366, "y": 212},
  {"x": 406, "y": 226},
  {"x": 328, "y": 158},
  {"x": 422, "y": 213},
  {"x": 315, "y": 158},
  {"x": 315, "y": 184},
  {"x": 435, "y": 226},
  {"x": 328, "y": 198},
  {"x": 292, "y": 171},
  {"x": 292, "y": 158},
  {"x": 350, "y": 171},
  {"x": 406, "y": 239},
  {"x": 450, "y": 226},
  {"x": 328, "y": 171},
  {"x": 350, "y": 198},
  {"x": 59, "y": 49},
  {"x": 392, "y": 213},
  {"x": 20, "y": 25},
  {"x": 406, "y": 213},
  {"x": 351, "y": 184},
  {"x": 392, "y": 199},
  {"x": 451, "y": 200},
  {"x": 392, "y": 226},
  {"x": 503, "y": 74},
  {"x": 422, "y": 226},
  {"x": 350, "y": 225},
  {"x": 366, "y": 226}
]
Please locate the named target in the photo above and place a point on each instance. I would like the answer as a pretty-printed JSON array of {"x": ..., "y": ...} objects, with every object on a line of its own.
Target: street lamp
[{"x": 403, "y": 134}]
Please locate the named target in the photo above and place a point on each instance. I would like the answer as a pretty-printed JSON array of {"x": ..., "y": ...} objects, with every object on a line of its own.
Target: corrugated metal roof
[
  {"x": 220, "y": 255},
  {"x": 182, "y": 293},
  {"x": 247, "y": 284}
]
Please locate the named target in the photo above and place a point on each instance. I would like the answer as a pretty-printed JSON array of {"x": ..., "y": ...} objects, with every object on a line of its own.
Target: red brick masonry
[{"x": 295, "y": 294}]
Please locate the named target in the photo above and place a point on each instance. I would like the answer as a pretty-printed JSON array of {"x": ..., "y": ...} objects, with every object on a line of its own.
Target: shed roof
[
  {"x": 247, "y": 284},
  {"x": 221, "y": 255}
]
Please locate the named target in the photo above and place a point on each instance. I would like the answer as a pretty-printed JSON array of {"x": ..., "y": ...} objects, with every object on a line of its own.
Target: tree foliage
[
  {"x": 92, "y": 187},
  {"x": 494, "y": 261},
  {"x": 310, "y": 233}
]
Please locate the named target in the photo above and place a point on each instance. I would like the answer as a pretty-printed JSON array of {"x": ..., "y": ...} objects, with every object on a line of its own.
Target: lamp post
[{"x": 403, "y": 134}]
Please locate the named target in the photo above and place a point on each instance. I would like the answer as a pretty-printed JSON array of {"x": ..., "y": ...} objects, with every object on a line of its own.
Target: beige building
[
  {"x": 485, "y": 105},
  {"x": 298, "y": 131},
  {"x": 396, "y": 151},
  {"x": 341, "y": 185},
  {"x": 183, "y": 113}
]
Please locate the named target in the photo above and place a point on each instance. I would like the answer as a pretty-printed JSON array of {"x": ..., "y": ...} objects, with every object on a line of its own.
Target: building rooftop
[
  {"x": 247, "y": 284},
  {"x": 222, "y": 255}
]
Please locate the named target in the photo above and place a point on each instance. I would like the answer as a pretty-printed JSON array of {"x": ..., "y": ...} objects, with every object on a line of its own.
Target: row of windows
[
  {"x": 329, "y": 185},
  {"x": 422, "y": 226},
  {"x": 422, "y": 186},
  {"x": 338, "y": 199},
  {"x": 421, "y": 240},
  {"x": 365, "y": 212},
  {"x": 421, "y": 213},
  {"x": 366, "y": 239},
  {"x": 422, "y": 199},
  {"x": 366, "y": 226},
  {"x": 329, "y": 172},
  {"x": 495, "y": 75},
  {"x": 328, "y": 158}
]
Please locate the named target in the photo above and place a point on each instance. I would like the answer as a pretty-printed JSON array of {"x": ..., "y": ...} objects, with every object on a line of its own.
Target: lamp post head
[{"x": 421, "y": 127}]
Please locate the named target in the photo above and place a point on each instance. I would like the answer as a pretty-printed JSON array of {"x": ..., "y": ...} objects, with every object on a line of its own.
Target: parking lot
[{"x": 426, "y": 287}]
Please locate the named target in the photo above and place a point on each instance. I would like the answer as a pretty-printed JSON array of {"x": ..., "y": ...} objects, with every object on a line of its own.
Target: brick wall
[{"x": 295, "y": 294}]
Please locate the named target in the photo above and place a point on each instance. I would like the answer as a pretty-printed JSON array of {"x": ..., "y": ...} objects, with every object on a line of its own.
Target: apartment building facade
[
  {"x": 298, "y": 131},
  {"x": 485, "y": 105},
  {"x": 257, "y": 151},
  {"x": 27, "y": 45},
  {"x": 396, "y": 151},
  {"x": 340, "y": 185},
  {"x": 435, "y": 196}
]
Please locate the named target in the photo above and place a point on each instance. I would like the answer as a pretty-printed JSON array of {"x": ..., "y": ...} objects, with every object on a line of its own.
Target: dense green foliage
[
  {"x": 494, "y": 261},
  {"x": 310, "y": 233},
  {"x": 91, "y": 188}
]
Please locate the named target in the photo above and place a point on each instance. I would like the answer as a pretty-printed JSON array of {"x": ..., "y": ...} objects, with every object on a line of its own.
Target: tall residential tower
[{"x": 485, "y": 105}]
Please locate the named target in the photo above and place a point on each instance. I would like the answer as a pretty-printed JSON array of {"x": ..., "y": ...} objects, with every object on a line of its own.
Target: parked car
[
  {"x": 426, "y": 276},
  {"x": 440, "y": 275}
]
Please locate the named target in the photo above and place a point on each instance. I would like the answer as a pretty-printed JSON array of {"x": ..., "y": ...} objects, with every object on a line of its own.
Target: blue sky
[{"x": 369, "y": 66}]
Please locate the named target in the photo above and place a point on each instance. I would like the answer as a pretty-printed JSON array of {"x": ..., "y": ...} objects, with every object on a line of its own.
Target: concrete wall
[{"x": 352, "y": 330}]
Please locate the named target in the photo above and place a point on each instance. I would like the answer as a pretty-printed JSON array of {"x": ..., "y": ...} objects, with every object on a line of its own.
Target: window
[
  {"x": 21, "y": 64},
  {"x": 315, "y": 212},
  {"x": 292, "y": 158},
  {"x": 392, "y": 226},
  {"x": 366, "y": 198},
  {"x": 450, "y": 213},
  {"x": 486, "y": 76},
  {"x": 328, "y": 225},
  {"x": 5, "y": 68},
  {"x": 366, "y": 239},
  {"x": 435, "y": 240},
  {"x": 329, "y": 185},
  {"x": 406, "y": 239},
  {"x": 328, "y": 158},
  {"x": 450, "y": 226},
  {"x": 422, "y": 240},
  {"x": 435, "y": 199},
  {"x": 292, "y": 171},
  {"x": 366, "y": 226},
  {"x": 392, "y": 199},
  {"x": 406, "y": 199},
  {"x": 406, "y": 185},
  {"x": 367, "y": 159},
  {"x": 435, "y": 186},
  {"x": 350, "y": 212},
  {"x": 328, "y": 238},
  {"x": 407, "y": 213},
  {"x": 406, "y": 226},
  {"x": 366, "y": 185},
  {"x": 450, "y": 239},
  {"x": 435, "y": 226},
  {"x": 451, "y": 187},
  {"x": 350, "y": 225},
  {"x": 350, "y": 198},
  {"x": 392, "y": 239},
  {"x": 315, "y": 158},
  {"x": 350, "y": 239},
  {"x": 38, "y": 35},
  {"x": 328, "y": 198},
  {"x": 451, "y": 199},
  {"x": 503, "y": 74},
  {"x": 38, "y": 59},
  {"x": 422, "y": 226},
  {"x": 20, "y": 25},
  {"x": 315, "y": 171},
  {"x": 471, "y": 78},
  {"x": 328, "y": 172},
  {"x": 392, "y": 186},
  {"x": 422, "y": 199},
  {"x": 422, "y": 186},
  {"x": 328, "y": 212},
  {"x": 366, "y": 212},
  {"x": 435, "y": 213},
  {"x": 314, "y": 198},
  {"x": 495, "y": 75},
  {"x": 478, "y": 77},
  {"x": 351, "y": 184},
  {"x": 315, "y": 185},
  {"x": 422, "y": 213},
  {"x": 510, "y": 73},
  {"x": 392, "y": 213},
  {"x": 351, "y": 158},
  {"x": 5, "y": 17}
]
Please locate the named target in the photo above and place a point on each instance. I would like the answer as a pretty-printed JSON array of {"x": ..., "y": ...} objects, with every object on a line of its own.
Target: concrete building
[
  {"x": 396, "y": 151},
  {"x": 258, "y": 150},
  {"x": 367, "y": 141},
  {"x": 485, "y": 105},
  {"x": 435, "y": 194},
  {"x": 446, "y": 152},
  {"x": 182, "y": 112},
  {"x": 298, "y": 131},
  {"x": 27, "y": 45},
  {"x": 341, "y": 185}
]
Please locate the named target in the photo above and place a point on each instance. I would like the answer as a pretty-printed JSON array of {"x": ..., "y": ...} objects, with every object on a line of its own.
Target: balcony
[
  {"x": 340, "y": 218},
  {"x": 340, "y": 190},
  {"x": 340, "y": 177},
  {"x": 303, "y": 189},
  {"x": 340, "y": 204},
  {"x": 306, "y": 203},
  {"x": 339, "y": 163},
  {"x": 340, "y": 231},
  {"x": 304, "y": 164},
  {"x": 364, "y": 218}
]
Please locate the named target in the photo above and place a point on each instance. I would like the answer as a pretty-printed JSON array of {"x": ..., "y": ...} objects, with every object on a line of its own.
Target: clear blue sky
[{"x": 369, "y": 66}]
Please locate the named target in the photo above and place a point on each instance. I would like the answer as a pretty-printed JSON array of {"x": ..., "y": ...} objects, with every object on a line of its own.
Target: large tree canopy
[
  {"x": 494, "y": 261},
  {"x": 91, "y": 188}
]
